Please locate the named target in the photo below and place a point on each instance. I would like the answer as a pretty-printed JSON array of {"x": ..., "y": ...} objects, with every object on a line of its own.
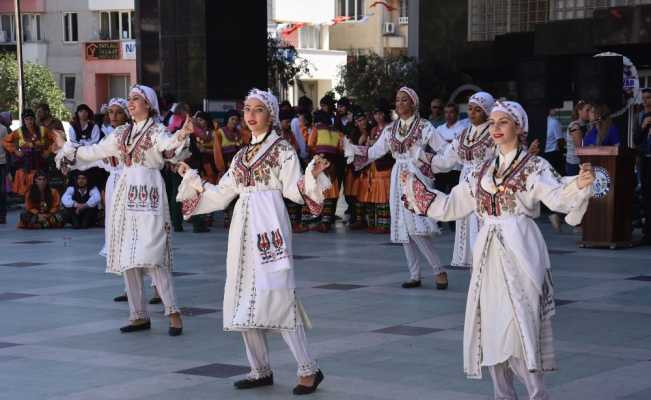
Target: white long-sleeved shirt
[
  {"x": 554, "y": 133},
  {"x": 300, "y": 140},
  {"x": 93, "y": 200},
  {"x": 94, "y": 136}
]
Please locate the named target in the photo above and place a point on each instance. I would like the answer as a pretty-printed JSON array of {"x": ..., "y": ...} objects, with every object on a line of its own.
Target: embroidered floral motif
[
  {"x": 425, "y": 166},
  {"x": 476, "y": 151},
  {"x": 314, "y": 207},
  {"x": 136, "y": 155},
  {"x": 504, "y": 200},
  {"x": 260, "y": 171},
  {"x": 188, "y": 206},
  {"x": 422, "y": 197},
  {"x": 413, "y": 137}
]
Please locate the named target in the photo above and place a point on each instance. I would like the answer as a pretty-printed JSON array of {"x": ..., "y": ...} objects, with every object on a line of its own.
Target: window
[
  {"x": 7, "y": 28},
  {"x": 119, "y": 86},
  {"x": 31, "y": 27},
  {"x": 116, "y": 25},
  {"x": 68, "y": 82},
  {"x": 350, "y": 8},
  {"x": 309, "y": 37},
  {"x": 70, "y": 28},
  {"x": 404, "y": 7}
]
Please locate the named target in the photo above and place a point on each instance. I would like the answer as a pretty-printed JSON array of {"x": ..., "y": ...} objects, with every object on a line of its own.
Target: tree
[
  {"x": 368, "y": 78},
  {"x": 284, "y": 65},
  {"x": 40, "y": 86}
]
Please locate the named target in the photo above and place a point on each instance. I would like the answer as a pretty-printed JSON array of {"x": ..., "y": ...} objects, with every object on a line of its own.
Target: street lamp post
[{"x": 19, "y": 56}]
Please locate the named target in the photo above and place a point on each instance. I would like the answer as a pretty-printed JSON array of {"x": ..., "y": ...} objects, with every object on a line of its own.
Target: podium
[{"x": 608, "y": 220}]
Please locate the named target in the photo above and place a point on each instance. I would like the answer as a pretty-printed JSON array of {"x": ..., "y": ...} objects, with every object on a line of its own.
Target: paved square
[{"x": 373, "y": 339}]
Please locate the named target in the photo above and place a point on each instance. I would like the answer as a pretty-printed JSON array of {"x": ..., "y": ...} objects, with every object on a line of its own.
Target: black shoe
[
  {"x": 411, "y": 284},
  {"x": 136, "y": 328},
  {"x": 254, "y": 383},
  {"x": 301, "y": 390},
  {"x": 122, "y": 297},
  {"x": 155, "y": 300},
  {"x": 175, "y": 331}
]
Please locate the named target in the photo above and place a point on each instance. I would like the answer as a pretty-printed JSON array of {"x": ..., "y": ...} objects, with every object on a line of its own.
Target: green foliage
[
  {"x": 40, "y": 86},
  {"x": 284, "y": 65},
  {"x": 368, "y": 78}
]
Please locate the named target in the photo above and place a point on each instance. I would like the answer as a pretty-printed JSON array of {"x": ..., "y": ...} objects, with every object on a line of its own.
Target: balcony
[
  {"x": 34, "y": 52},
  {"x": 403, "y": 20}
]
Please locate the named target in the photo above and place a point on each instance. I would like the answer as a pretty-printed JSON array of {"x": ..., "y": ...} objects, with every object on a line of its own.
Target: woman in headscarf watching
[
  {"x": 30, "y": 145},
  {"x": 139, "y": 239},
  {"x": 259, "y": 295},
  {"x": 511, "y": 298},
  {"x": 405, "y": 138}
]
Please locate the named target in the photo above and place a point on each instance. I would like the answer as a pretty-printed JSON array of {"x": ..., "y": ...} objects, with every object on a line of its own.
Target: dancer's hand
[
  {"x": 586, "y": 175},
  {"x": 182, "y": 168},
  {"x": 320, "y": 165},
  {"x": 186, "y": 130},
  {"x": 60, "y": 139},
  {"x": 534, "y": 148}
]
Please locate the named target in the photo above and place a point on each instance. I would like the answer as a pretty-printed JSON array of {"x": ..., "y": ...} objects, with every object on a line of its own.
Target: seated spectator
[
  {"x": 42, "y": 205},
  {"x": 30, "y": 146},
  {"x": 604, "y": 132},
  {"x": 80, "y": 203}
]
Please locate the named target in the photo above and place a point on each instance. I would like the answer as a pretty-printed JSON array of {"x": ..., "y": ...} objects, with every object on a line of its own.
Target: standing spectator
[
  {"x": 30, "y": 145},
  {"x": 181, "y": 112},
  {"x": 554, "y": 142},
  {"x": 575, "y": 133},
  {"x": 228, "y": 141},
  {"x": 305, "y": 106},
  {"x": 45, "y": 119},
  {"x": 327, "y": 142},
  {"x": 42, "y": 205},
  {"x": 436, "y": 112},
  {"x": 3, "y": 173},
  {"x": 286, "y": 106},
  {"x": 448, "y": 131},
  {"x": 83, "y": 130},
  {"x": 643, "y": 141},
  {"x": 80, "y": 203},
  {"x": 554, "y": 156},
  {"x": 603, "y": 132}
]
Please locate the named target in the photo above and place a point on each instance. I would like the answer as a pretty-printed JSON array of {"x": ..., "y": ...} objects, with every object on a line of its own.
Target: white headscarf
[
  {"x": 148, "y": 94},
  {"x": 515, "y": 111},
  {"x": 412, "y": 95},
  {"x": 270, "y": 102},
  {"x": 120, "y": 102},
  {"x": 484, "y": 100}
]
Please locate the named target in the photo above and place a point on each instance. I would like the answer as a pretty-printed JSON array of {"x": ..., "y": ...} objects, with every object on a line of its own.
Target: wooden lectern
[{"x": 608, "y": 220}]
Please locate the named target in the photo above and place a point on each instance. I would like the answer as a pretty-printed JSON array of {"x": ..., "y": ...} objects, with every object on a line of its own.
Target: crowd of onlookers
[{"x": 53, "y": 199}]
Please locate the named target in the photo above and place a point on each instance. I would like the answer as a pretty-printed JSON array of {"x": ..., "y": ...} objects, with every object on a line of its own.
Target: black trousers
[
  {"x": 84, "y": 220},
  {"x": 645, "y": 178}
]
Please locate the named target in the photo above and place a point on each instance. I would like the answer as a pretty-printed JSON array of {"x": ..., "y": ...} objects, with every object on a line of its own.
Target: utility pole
[{"x": 19, "y": 56}]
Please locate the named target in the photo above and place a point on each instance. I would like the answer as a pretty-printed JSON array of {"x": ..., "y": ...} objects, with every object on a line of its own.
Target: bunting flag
[
  {"x": 340, "y": 19},
  {"x": 383, "y": 3},
  {"x": 291, "y": 29}
]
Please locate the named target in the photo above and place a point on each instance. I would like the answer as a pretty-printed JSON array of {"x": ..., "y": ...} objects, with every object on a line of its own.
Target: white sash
[{"x": 271, "y": 235}]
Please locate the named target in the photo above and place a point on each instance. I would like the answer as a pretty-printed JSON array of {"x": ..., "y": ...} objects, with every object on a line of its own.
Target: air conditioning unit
[
  {"x": 403, "y": 20},
  {"x": 389, "y": 28}
]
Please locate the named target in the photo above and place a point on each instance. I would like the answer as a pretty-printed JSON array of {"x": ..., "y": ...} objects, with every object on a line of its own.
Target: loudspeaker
[
  {"x": 543, "y": 81},
  {"x": 599, "y": 80}
]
